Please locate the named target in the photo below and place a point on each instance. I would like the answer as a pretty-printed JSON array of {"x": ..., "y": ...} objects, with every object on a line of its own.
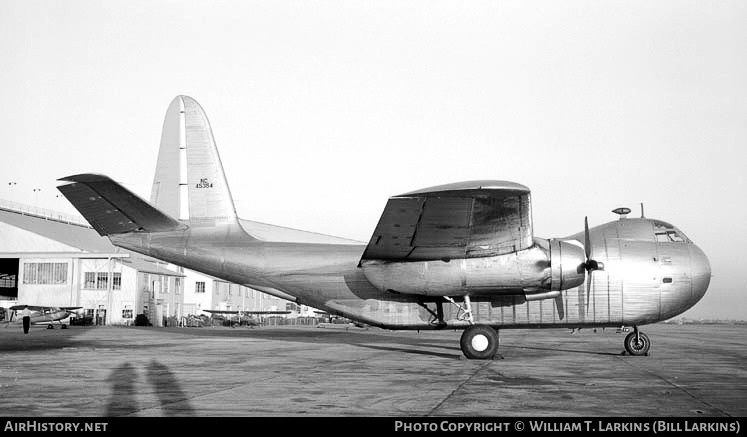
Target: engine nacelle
[
  {"x": 536, "y": 272},
  {"x": 567, "y": 260}
]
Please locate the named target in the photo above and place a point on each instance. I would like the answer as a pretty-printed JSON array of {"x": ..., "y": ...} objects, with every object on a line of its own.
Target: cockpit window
[
  {"x": 669, "y": 237},
  {"x": 666, "y": 233}
]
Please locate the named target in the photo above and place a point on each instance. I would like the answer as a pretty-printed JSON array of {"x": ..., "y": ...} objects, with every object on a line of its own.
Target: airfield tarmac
[{"x": 693, "y": 370}]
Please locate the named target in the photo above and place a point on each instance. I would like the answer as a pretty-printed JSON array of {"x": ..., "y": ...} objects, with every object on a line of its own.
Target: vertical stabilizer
[
  {"x": 187, "y": 136},
  {"x": 210, "y": 201}
]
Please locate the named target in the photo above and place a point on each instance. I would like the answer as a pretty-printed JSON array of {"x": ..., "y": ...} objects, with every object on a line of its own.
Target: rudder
[{"x": 188, "y": 146}]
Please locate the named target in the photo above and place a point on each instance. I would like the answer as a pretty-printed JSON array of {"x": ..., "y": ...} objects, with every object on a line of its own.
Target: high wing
[
  {"x": 266, "y": 312},
  {"x": 245, "y": 312},
  {"x": 31, "y": 308},
  {"x": 463, "y": 220},
  {"x": 42, "y": 308}
]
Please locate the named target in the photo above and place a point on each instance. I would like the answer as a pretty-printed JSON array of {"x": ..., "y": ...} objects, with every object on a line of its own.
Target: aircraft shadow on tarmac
[
  {"x": 410, "y": 341},
  {"x": 166, "y": 388},
  {"x": 457, "y": 355},
  {"x": 557, "y": 349}
]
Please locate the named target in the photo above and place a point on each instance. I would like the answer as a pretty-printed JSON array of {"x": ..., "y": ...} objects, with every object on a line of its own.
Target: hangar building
[{"x": 52, "y": 259}]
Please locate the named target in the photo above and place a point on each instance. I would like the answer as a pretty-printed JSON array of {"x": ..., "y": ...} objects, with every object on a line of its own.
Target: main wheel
[
  {"x": 637, "y": 346},
  {"x": 479, "y": 342}
]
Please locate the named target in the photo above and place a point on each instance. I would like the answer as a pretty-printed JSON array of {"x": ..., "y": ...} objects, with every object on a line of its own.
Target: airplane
[
  {"x": 459, "y": 256},
  {"x": 246, "y": 317},
  {"x": 39, "y": 315},
  {"x": 332, "y": 319}
]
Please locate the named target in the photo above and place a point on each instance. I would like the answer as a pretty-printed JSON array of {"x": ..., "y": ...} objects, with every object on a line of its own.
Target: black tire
[
  {"x": 637, "y": 348},
  {"x": 479, "y": 342}
]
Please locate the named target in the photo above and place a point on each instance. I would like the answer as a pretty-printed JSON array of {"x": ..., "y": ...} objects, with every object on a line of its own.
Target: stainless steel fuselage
[{"x": 646, "y": 277}]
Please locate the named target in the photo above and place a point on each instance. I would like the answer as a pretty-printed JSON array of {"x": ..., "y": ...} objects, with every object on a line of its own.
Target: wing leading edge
[{"x": 463, "y": 220}]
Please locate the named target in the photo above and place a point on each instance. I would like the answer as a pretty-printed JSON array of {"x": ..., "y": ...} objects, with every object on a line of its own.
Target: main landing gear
[
  {"x": 637, "y": 343},
  {"x": 478, "y": 342}
]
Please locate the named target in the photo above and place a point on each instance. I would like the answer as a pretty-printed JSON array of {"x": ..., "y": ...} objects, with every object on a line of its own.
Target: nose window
[{"x": 669, "y": 237}]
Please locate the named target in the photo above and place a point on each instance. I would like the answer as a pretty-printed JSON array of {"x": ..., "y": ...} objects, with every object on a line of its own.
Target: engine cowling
[{"x": 567, "y": 259}]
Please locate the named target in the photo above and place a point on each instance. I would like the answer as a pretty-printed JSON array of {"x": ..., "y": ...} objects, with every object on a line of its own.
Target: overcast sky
[{"x": 323, "y": 109}]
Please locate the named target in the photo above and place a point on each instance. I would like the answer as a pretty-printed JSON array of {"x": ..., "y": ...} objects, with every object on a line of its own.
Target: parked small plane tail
[
  {"x": 189, "y": 181},
  {"x": 112, "y": 209}
]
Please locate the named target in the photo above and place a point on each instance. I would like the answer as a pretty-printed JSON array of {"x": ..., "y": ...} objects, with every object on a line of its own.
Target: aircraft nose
[{"x": 701, "y": 272}]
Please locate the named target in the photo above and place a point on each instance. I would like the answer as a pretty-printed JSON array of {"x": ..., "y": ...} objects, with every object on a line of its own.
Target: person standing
[{"x": 26, "y": 314}]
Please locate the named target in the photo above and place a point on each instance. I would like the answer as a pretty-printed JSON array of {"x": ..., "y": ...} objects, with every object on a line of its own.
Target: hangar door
[{"x": 9, "y": 278}]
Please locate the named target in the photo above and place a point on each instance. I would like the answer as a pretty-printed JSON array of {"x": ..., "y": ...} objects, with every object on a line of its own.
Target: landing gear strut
[
  {"x": 465, "y": 311},
  {"x": 478, "y": 342},
  {"x": 637, "y": 343}
]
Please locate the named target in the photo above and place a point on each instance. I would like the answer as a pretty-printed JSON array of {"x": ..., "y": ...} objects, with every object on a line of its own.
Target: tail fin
[
  {"x": 111, "y": 208},
  {"x": 189, "y": 169}
]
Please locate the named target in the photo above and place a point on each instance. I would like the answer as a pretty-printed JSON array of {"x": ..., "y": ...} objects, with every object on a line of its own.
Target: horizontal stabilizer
[{"x": 111, "y": 208}]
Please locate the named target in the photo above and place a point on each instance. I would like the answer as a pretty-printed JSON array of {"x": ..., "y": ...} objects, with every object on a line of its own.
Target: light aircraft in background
[
  {"x": 39, "y": 315},
  {"x": 245, "y": 318},
  {"x": 334, "y": 319},
  {"x": 458, "y": 256}
]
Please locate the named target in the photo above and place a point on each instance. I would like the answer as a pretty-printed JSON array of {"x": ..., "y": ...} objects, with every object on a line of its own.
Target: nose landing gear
[{"x": 637, "y": 343}]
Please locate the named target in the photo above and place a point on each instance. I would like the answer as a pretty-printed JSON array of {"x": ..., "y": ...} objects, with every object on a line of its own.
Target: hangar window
[
  {"x": 102, "y": 281},
  {"x": 45, "y": 273},
  {"x": 127, "y": 313},
  {"x": 199, "y": 287},
  {"x": 90, "y": 280},
  {"x": 177, "y": 285}
]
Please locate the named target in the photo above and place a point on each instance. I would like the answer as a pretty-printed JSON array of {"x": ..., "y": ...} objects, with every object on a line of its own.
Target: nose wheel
[
  {"x": 637, "y": 343},
  {"x": 479, "y": 342}
]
